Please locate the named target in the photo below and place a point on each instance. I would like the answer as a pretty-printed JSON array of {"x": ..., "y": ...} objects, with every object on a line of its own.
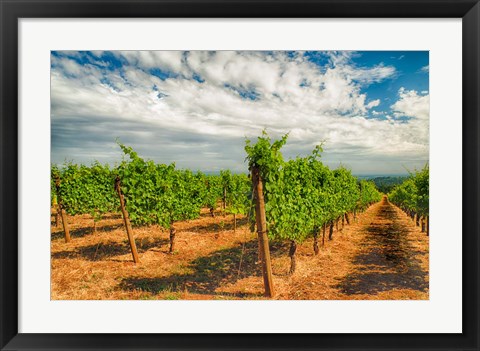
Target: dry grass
[{"x": 381, "y": 256}]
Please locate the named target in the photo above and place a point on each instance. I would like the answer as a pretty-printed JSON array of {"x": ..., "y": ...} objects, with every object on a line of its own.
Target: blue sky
[
  {"x": 370, "y": 108},
  {"x": 412, "y": 74}
]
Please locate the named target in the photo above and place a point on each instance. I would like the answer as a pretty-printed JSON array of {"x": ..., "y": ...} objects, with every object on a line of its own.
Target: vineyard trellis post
[
  {"x": 224, "y": 200},
  {"x": 65, "y": 224},
  {"x": 316, "y": 232},
  {"x": 57, "y": 210},
  {"x": 173, "y": 232},
  {"x": 262, "y": 231},
  {"x": 126, "y": 221},
  {"x": 57, "y": 215},
  {"x": 291, "y": 254},
  {"x": 63, "y": 214},
  {"x": 323, "y": 233}
]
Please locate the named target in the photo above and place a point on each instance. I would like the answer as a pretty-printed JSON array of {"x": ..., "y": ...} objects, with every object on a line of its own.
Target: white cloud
[
  {"x": 417, "y": 108},
  {"x": 370, "y": 75},
  {"x": 68, "y": 66},
  {"x": 172, "y": 119},
  {"x": 373, "y": 103},
  {"x": 425, "y": 69},
  {"x": 166, "y": 60},
  {"x": 411, "y": 104}
]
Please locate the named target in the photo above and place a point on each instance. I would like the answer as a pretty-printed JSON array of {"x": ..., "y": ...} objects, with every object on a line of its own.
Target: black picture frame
[{"x": 11, "y": 11}]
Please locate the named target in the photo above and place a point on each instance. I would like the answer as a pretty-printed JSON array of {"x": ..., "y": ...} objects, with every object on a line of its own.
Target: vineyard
[
  {"x": 412, "y": 197},
  {"x": 215, "y": 235}
]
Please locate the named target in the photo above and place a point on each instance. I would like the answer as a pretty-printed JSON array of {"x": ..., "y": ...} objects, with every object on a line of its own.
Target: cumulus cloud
[
  {"x": 373, "y": 103},
  {"x": 196, "y": 108},
  {"x": 411, "y": 104},
  {"x": 370, "y": 75},
  {"x": 168, "y": 60}
]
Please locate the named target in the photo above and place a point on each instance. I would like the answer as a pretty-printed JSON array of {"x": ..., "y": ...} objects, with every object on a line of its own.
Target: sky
[{"x": 370, "y": 109}]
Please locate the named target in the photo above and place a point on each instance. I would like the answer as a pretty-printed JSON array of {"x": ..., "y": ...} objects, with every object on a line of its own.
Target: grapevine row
[
  {"x": 303, "y": 195},
  {"x": 412, "y": 197},
  {"x": 153, "y": 193}
]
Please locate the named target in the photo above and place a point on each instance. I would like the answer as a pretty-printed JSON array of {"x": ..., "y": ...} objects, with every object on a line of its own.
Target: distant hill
[{"x": 386, "y": 183}]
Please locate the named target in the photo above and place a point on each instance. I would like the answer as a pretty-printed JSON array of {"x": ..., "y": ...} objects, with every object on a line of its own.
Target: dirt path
[
  {"x": 391, "y": 256},
  {"x": 382, "y": 255}
]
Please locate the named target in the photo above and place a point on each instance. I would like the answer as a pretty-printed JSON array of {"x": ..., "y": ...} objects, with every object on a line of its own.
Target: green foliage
[
  {"x": 84, "y": 190},
  {"x": 303, "y": 194},
  {"x": 154, "y": 193},
  {"x": 421, "y": 180},
  {"x": 265, "y": 154},
  {"x": 413, "y": 194},
  {"x": 212, "y": 190},
  {"x": 387, "y": 183},
  {"x": 291, "y": 205},
  {"x": 347, "y": 192},
  {"x": 368, "y": 194},
  {"x": 238, "y": 189},
  {"x": 158, "y": 193}
]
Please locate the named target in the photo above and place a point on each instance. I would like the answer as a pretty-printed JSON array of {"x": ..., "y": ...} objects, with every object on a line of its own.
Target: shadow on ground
[
  {"x": 387, "y": 260},
  {"x": 220, "y": 223},
  {"x": 205, "y": 274},
  {"x": 81, "y": 232},
  {"x": 102, "y": 251}
]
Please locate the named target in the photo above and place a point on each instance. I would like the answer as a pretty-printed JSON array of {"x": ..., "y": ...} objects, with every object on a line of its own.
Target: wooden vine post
[
  {"x": 66, "y": 229},
  {"x": 291, "y": 254},
  {"x": 57, "y": 210},
  {"x": 63, "y": 214},
  {"x": 323, "y": 233},
  {"x": 262, "y": 232},
  {"x": 126, "y": 221},
  {"x": 57, "y": 215},
  {"x": 224, "y": 200},
  {"x": 173, "y": 231},
  {"x": 316, "y": 232}
]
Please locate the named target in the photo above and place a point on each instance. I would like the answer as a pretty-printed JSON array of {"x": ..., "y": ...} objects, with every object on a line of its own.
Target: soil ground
[{"x": 380, "y": 256}]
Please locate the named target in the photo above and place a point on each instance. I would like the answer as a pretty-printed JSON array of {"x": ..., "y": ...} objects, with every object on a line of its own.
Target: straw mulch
[{"x": 380, "y": 256}]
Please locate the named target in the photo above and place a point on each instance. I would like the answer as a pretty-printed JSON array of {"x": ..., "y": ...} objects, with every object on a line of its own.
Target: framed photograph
[{"x": 218, "y": 175}]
